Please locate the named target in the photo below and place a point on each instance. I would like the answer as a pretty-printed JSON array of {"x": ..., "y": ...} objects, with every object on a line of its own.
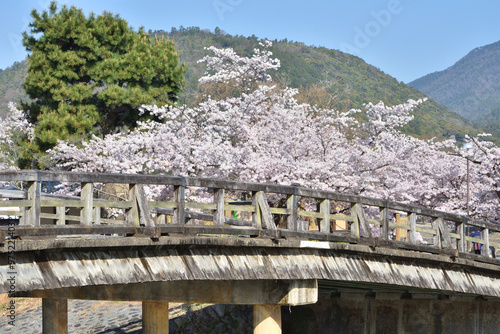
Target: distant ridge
[
  {"x": 348, "y": 78},
  {"x": 470, "y": 87}
]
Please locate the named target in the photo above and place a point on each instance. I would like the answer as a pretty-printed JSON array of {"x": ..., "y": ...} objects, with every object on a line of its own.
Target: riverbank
[{"x": 106, "y": 317}]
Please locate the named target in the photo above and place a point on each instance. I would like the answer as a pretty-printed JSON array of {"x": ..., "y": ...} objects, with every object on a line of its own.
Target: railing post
[
  {"x": 33, "y": 214},
  {"x": 412, "y": 220},
  {"x": 132, "y": 214},
  {"x": 355, "y": 222},
  {"x": 97, "y": 215},
  {"x": 144, "y": 211},
  {"x": 265, "y": 211},
  {"x": 384, "y": 217},
  {"x": 461, "y": 243},
  {"x": 291, "y": 205},
  {"x": 179, "y": 198},
  {"x": 219, "y": 207},
  {"x": 359, "y": 221},
  {"x": 324, "y": 224},
  {"x": 485, "y": 249},
  {"x": 86, "y": 196},
  {"x": 61, "y": 215},
  {"x": 256, "y": 217},
  {"x": 401, "y": 233},
  {"x": 437, "y": 236},
  {"x": 441, "y": 232}
]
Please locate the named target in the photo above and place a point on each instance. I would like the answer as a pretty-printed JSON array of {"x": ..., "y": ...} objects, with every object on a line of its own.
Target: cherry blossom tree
[
  {"x": 260, "y": 132},
  {"x": 13, "y": 126}
]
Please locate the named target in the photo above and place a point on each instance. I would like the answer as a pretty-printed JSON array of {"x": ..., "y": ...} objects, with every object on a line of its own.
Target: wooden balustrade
[{"x": 304, "y": 213}]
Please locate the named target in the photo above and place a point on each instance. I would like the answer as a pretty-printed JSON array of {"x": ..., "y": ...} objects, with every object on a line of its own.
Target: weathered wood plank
[
  {"x": 485, "y": 250},
  {"x": 256, "y": 215},
  {"x": 144, "y": 211},
  {"x": 360, "y": 224},
  {"x": 219, "y": 197},
  {"x": 341, "y": 217},
  {"x": 15, "y": 203},
  {"x": 267, "y": 216},
  {"x": 179, "y": 199},
  {"x": 96, "y": 213},
  {"x": 132, "y": 214},
  {"x": 279, "y": 211},
  {"x": 461, "y": 243},
  {"x": 11, "y": 213},
  {"x": 60, "y": 215},
  {"x": 110, "y": 221},
  {"x": 201, "y": 206},
  {"x": 33, "y": 214},
  {"x": 114, "y": 204},
  {"x": 62, "y": 203},
  {"x": 162, "y": 204},
  {"x": 86, "y": 195},
  {"x": 243, "y": 208},
  {"x": 442, "y": 237},
  {"x": 33, "y": 176},
  {"x": 412, "y": 233},
  {"x": 400, "y": 225},
  {"x": 384, "y": 218},
  {"x": 293, "y": 216},
  {"x": 311, "y": 214},
  {"x": 425, "y": 230},
  {"x": 324, "y": 224}
]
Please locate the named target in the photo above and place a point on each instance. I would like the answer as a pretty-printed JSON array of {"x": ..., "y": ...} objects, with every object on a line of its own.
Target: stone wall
[{"x": 335, "y": 314}]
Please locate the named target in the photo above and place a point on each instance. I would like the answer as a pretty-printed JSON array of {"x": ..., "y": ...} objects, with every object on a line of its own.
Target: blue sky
[{"x": 405, "y": 38}]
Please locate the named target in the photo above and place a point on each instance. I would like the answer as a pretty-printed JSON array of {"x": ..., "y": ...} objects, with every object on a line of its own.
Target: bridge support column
[
  {"x": 54, "y": 316},
  {"x": 154, "y": 317},
  {"x": 266, "y": 319}
]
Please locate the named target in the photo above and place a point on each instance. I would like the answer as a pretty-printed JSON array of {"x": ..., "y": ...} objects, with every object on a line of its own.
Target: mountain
[
  {"x": 469, "y": 87},
  {"x": 11, "y": 81},
  {"x": 348, "y": 78},
  {"x": 326, "y": 77}
]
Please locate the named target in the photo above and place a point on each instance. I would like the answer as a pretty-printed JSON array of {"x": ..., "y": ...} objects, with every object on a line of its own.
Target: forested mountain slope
[
  {"x": 326, "y": 77},
  {"x": 469, "y": 87},
  {"x": 11, "y": 80}
]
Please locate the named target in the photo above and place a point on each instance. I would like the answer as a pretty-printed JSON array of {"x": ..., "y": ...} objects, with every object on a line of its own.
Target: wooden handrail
[{"x": 139, "y": 211}]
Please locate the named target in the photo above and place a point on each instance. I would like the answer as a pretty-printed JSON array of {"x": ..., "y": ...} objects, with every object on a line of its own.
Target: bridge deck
[{"x": 100, "y": 239}]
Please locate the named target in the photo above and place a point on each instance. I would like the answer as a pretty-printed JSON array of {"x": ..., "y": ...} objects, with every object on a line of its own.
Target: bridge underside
[{"x": 181, "y": 261}]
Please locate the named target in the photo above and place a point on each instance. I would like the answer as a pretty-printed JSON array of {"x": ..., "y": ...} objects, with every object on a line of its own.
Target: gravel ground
[
  {"x": 126, "y": 317},
  {"x": 83, "y": 317}
]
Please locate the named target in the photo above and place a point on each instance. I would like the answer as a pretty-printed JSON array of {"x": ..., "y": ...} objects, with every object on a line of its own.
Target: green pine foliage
[{"x": 91, "y": 74}]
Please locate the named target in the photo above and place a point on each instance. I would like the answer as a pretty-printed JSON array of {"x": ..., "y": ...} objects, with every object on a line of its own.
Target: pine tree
[{"x": 90, "y": 75}]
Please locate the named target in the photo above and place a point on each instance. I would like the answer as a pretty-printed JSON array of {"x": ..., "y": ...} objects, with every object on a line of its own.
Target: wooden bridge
[{"x": 218, "y": 241}]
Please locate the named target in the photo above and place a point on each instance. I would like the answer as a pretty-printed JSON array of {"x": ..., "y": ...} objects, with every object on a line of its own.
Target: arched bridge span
[{"x": 217, "y": 241}]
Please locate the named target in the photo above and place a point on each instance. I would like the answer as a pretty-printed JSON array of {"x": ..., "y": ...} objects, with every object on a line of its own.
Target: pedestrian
[{"x": 476, "y": 246}]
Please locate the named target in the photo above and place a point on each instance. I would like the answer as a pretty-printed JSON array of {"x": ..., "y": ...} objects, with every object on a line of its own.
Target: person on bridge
[{"x": 476, "y": 246}]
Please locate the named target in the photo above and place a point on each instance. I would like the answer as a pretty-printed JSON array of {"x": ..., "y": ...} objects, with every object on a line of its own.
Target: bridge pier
[
  {"x": 154, "y": 317},
  {"x": 266, "y": 296},
  {"x": 267, "y": 319},
  {"x": 54, "y": 316}
]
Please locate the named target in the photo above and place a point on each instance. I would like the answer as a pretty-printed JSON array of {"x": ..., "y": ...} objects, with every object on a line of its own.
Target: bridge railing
[{"x": 204, "y": 206}]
